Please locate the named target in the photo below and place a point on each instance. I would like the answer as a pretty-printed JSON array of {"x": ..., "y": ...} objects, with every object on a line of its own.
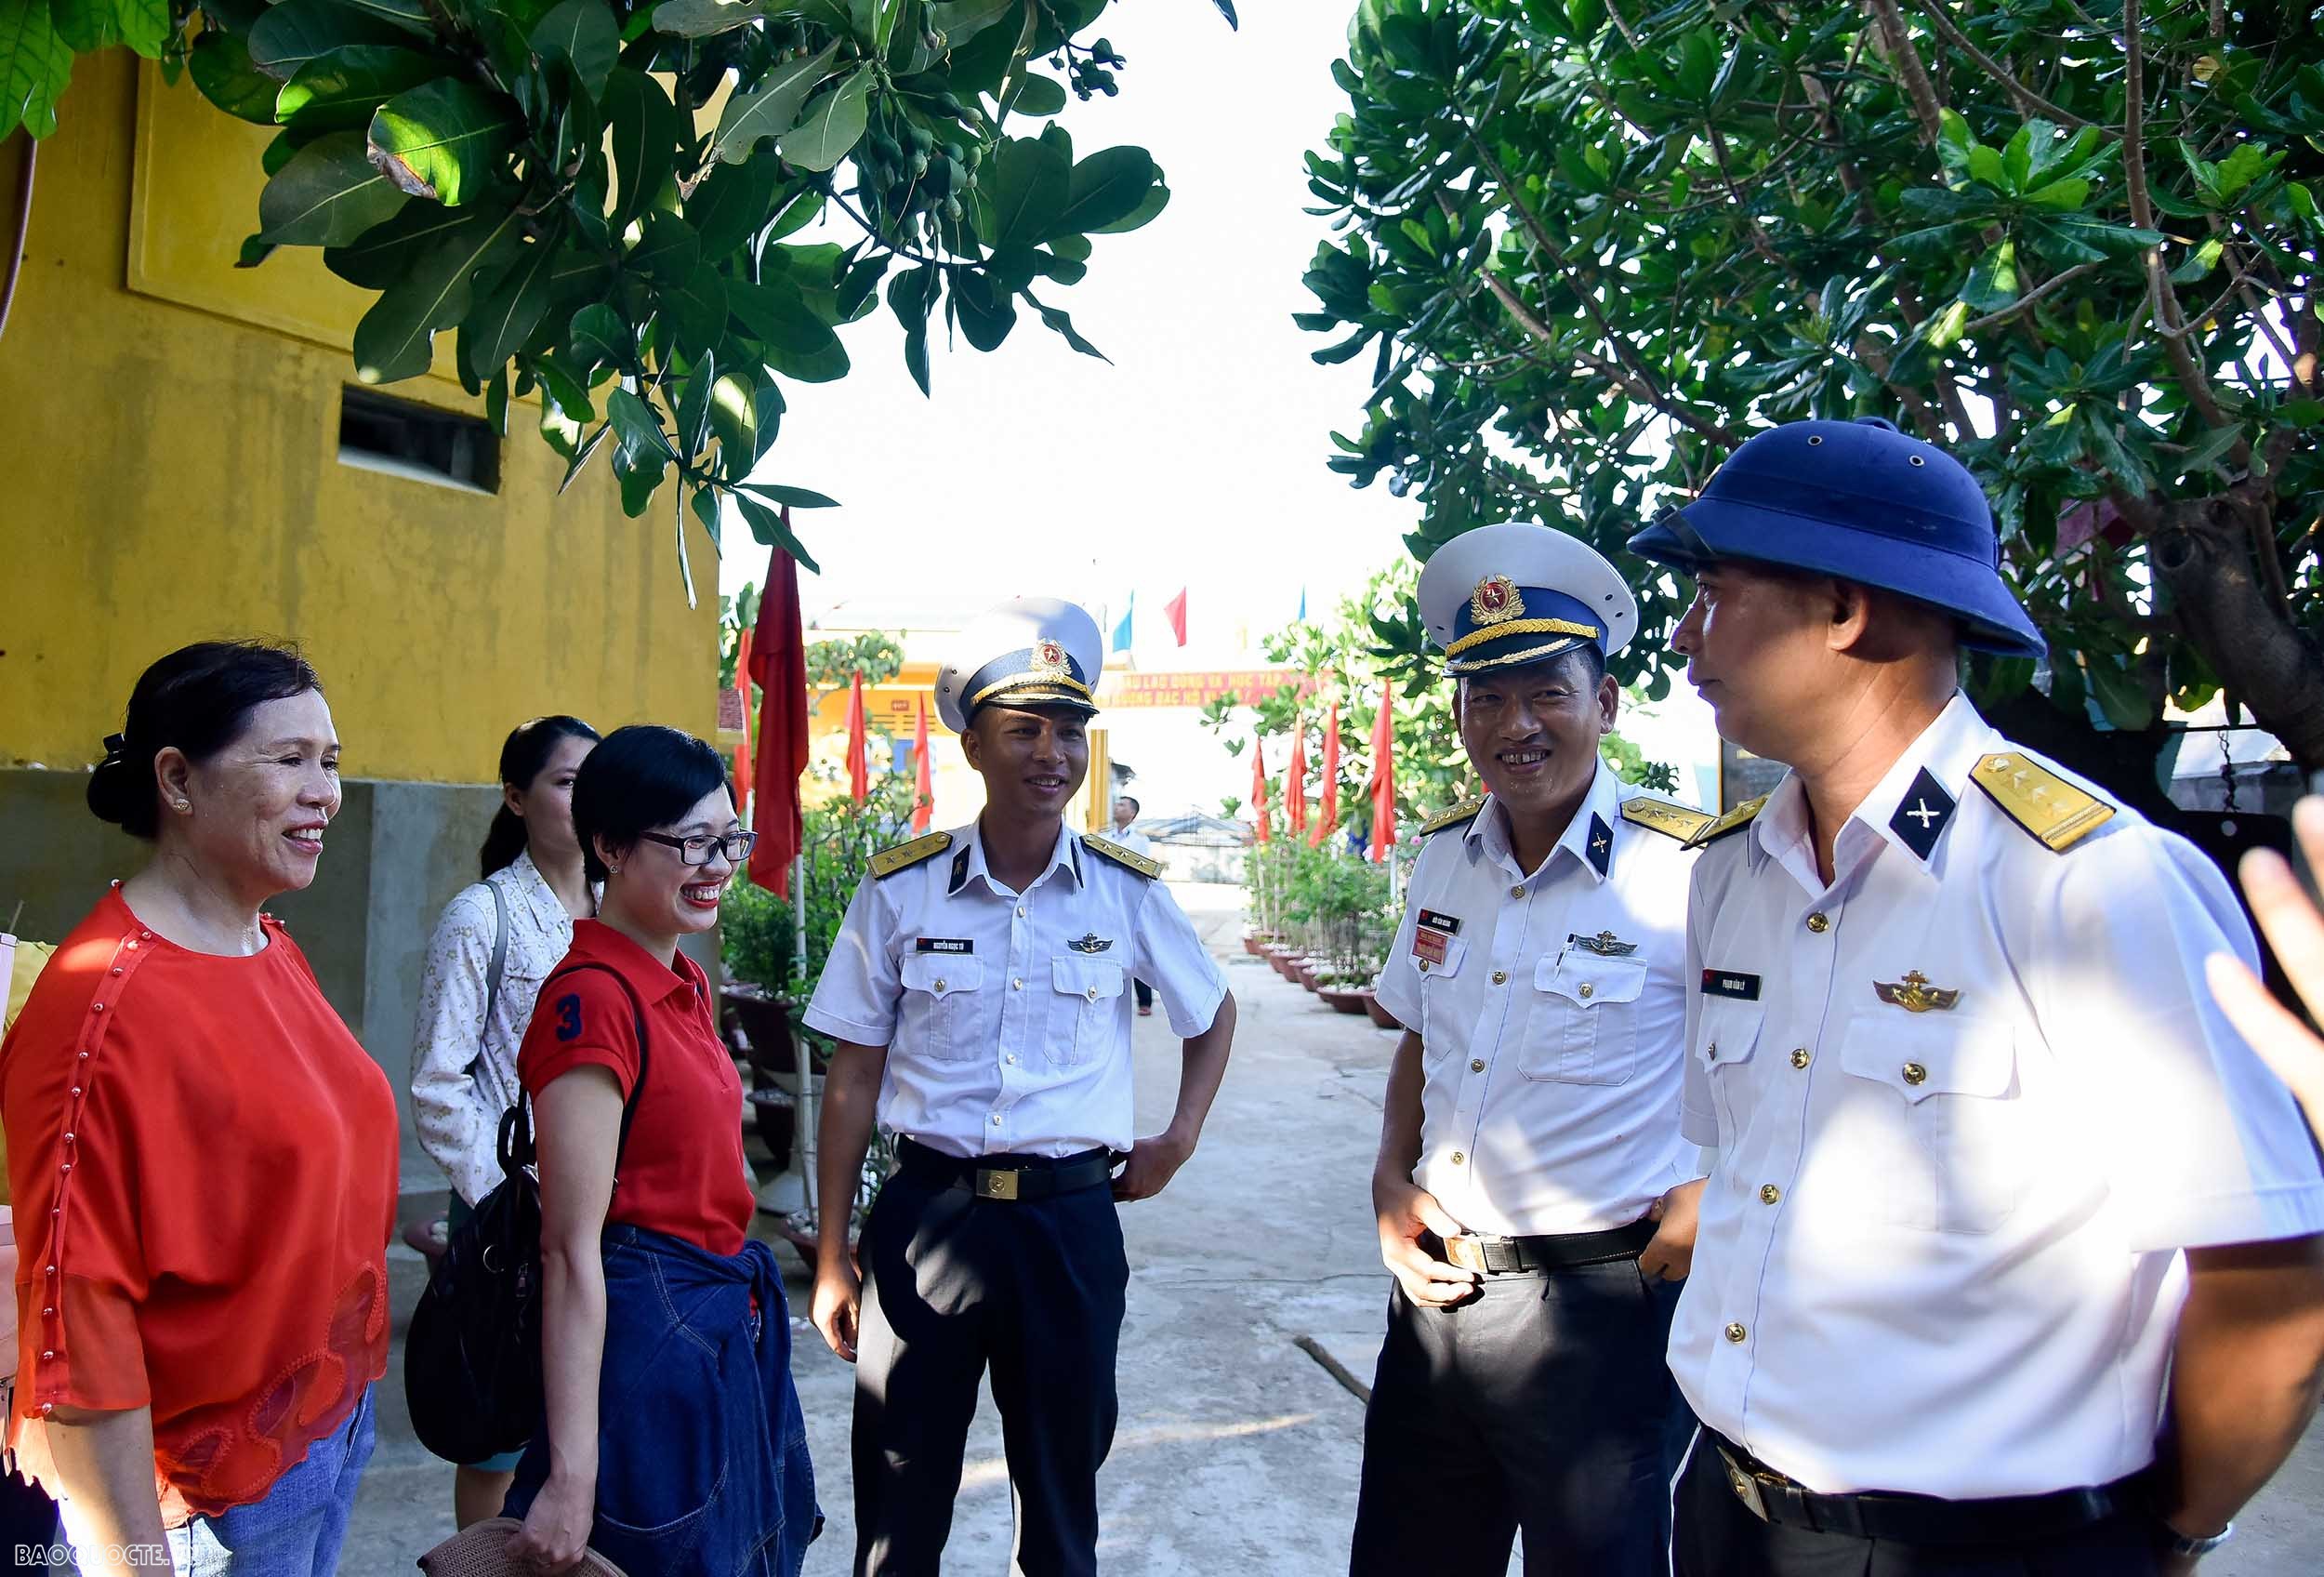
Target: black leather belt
[
  {"x": 1005, "y": 1176},
  {"x": 1914, "y": 1519},
  {"x": 1508, "y": 1256}
]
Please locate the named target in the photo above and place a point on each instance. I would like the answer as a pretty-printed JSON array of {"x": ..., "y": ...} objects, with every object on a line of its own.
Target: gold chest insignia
[
  {"x": 1914, "y": 994},
  {"x": 1606, "y": 945},
  {"x": 1495, "y": 600},
  {"x": 1091, "y": 942}
]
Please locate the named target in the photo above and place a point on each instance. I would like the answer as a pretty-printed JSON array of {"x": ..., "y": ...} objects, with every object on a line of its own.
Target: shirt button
[
  {"x": 47, "y": 1356},
  {"x": 1476, "y": 1065},
  {"x": 1711, "y": 1053},
  {"x": 1914, "y": 1073},
  {"x": 1736, "y": 1332},
  {"x": 1093, "y": 993},
  {"x": 1458, "y": 1158},
  {"x": 48, "y": 1407},
  {"x": 1517, "y": 892},
  {"x": 939, "y": 984},
  {"x": 1020, "y": 911},
  {"x": 1587, "y": 992},
  {"x": 1017, "y": 984},
  {"x": 1799, "y": 1056},
  {"x": 997, "y": 1120},
  {"x": 97, "y": 1007},
  {"x": 117, "y": 968},
  {"x": 1501, "y": 977},
  {"x": 1819, "y": 923},
  {"x": 1011, "y": 1060},
  {"x": 1769, "y": 1193}
]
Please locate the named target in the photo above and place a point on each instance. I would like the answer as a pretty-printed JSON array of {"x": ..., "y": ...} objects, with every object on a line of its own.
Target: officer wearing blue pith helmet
[
  {"x": 2010, "y": 1256},
  {"x": 977, "y": 990},
  {"x": 1533, "y": 1195}
]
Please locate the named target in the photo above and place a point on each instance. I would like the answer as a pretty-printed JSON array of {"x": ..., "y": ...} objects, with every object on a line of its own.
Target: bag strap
[
  {"x": 516, "y": 1147},
  {"x": 496, "y": 972}
]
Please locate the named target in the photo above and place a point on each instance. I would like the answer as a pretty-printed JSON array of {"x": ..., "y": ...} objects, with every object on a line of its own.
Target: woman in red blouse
[{"x": 203, "y": 1159}]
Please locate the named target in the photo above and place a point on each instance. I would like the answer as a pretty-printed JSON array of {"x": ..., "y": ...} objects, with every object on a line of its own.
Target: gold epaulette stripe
[
  {"x": 902, "y": 856},
  {"x": 1681, "y": 822},
  {"x": 1121, "y": 857},
  {"x": 2039, "y": 800},
  {"x": 1465, "y": 811},
  {"x": 1738, "y": 818}
]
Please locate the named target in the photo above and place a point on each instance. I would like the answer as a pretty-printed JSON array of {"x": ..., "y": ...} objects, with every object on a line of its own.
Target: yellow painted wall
[{"x": 168, "y": 473}]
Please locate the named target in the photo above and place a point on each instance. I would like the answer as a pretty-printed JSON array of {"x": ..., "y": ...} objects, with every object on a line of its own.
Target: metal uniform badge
[
  {"x": 1048, "y": 660},
  {"x": 1914, "y": 994},
  {"x": 1604, "y": 944},
  {"x": 1091, "y": 942},
  {"x": 1495, "y": 600}
]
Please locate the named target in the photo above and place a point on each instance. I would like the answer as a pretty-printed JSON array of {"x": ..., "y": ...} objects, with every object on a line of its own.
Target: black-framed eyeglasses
[{"x": 698, "y": 850}]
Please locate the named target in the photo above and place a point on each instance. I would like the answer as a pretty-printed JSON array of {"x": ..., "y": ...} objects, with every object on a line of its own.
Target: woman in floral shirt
[{"x": 464, "y": 1051}]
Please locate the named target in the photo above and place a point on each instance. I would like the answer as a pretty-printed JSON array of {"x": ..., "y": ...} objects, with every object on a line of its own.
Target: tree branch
[
  {"x": 2027, "y": 300},
  {"x": 1622, "y": 378},
  {"x": 1909, "y": 70},
  {"x": 2164, "y": 303},
  {"x": 2029, "y": 103}
]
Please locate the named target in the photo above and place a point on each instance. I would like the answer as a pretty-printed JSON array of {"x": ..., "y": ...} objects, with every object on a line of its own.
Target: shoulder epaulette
[
  {"x": 1107, "y": 848},
  {"x": 1671, "y": 820},
  {"x": 2039, "y": 800},
  {"x": 1739, "y": 816},
  {"x": 903, "y": 856},
  {"x": 1458, "y": 815}
]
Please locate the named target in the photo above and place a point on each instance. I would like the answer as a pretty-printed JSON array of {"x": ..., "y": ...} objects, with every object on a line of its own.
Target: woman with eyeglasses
[{"x": 673, "y": 1443}]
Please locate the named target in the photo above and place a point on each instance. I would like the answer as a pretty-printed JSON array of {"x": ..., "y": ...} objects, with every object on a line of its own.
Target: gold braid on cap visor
[
  {"x": 1042, "y": 679},
  {"x": 1522, "y": 627}
]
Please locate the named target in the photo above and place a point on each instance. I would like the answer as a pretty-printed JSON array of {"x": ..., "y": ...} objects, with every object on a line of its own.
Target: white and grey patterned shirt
[{"x": 464, "y": 1069}]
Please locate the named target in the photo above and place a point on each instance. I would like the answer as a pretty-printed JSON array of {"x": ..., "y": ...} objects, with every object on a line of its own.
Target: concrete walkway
[{"x": 1237, "y": 1451}]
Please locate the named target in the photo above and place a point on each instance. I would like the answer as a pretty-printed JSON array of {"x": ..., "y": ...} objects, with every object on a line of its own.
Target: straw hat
[{"x": 480, "y": 1550}]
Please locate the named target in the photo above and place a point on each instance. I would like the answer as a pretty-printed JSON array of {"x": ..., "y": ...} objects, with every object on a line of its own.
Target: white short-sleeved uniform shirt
[
  {"x": 1969, "y": 1100},
  {"x": 1552, "y": 1010},
  {"x": 1004, "y": 1014}
]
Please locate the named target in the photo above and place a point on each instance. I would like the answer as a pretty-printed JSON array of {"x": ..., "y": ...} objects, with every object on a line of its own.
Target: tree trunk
[{"x": 2202, "y": 555}]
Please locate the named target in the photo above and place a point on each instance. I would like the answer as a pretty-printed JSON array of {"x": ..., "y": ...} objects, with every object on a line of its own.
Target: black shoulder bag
[{"x": 473, "y": 1359}]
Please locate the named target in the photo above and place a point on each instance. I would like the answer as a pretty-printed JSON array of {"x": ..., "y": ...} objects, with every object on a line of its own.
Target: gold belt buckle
[
  {"x": 1466, "y": 1252},
  {"x": 996, "y": 1183},
  {"x": 1746, "y": 1488}
]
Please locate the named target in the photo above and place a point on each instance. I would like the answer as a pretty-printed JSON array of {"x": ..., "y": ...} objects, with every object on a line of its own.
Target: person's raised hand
[{"x": 2296, "y": 932}]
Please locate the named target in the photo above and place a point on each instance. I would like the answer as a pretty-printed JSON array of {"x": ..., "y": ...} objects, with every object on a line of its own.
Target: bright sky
[{"x": 1195, "y": 460}]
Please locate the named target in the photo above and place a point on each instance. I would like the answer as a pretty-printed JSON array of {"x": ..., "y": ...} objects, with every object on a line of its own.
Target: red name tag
[{"x": 1429, "y": 946}]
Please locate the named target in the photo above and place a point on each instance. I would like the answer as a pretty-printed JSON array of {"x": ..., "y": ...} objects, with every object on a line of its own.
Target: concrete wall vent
[{"x": 419, "y": 442}]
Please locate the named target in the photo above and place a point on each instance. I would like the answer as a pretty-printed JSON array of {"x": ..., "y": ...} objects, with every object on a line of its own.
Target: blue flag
[
  {"x": 1121, "y": 630},
  {"x": 1303, "y": 604}
]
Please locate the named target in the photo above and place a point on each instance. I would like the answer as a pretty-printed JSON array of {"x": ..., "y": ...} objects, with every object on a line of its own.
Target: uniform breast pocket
[
  {"x": 1936, "y": 1130},
  {"x": 1582, "y": 1028},
  {"x": 940, "y": 993},
  {"x": 1439, "y": 963},
  {"x": 1084, "y": 1012},
  {"x": 1727, "y": 1034}
]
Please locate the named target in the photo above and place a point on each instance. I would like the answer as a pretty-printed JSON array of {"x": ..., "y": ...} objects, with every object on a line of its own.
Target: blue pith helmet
[
  {"x": 1503, "y": 596},
  {"x": 1862, "y": 501},
  {"x": 1028, "y": 652}
]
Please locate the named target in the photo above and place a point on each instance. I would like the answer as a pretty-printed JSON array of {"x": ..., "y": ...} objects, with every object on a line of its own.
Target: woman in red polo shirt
[
  {"x": 674, "y": 1444},
  {"x": 203, "y": 1159}
]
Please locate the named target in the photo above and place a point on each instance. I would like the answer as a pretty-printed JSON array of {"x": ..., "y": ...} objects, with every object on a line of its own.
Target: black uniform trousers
[
  {"x": 1719, "y": 1537},
  {"x": 953, "y": 1285},
  {"x": 1543, "y": 1404}
]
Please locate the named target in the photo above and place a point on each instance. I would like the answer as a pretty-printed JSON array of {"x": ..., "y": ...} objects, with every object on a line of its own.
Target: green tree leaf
[
  {"x": 290, "y": 34},
  {"x": 1157, "y": 197},
  {"x": 34, "y": 66},
  {"x": 343, "y": 89},
  {"x": 1107, "y": 187},
  {"x": 395, "y": 338},
  {"x": 443, "y": 141},
  {"x": 696, "y": 309},
  {"x": 797, "y": 498},
  {"x": 1040, "y": 97},
  {"x": 221, "y": 70},
  {"x": 327, "y": 195},
  {"x": 503, "y": 321},
  {"x": 667, "y": 249},
  {"x": 734, "y": 201},
  {"x": 386, "y": 252},
  {"x": 1024, "y": 187},
  {"x": 645, "y": 129},
  {"x": 582, "y": 34},
  {"x": 770, "y": 109},
  {"x": 636, "y": 427},
  {"x": 961, "y": 20},
  {"x": 144, "y": 25},
  {"x": 767, "y": 526},
  {"x": 832, "y": 126},
  {"x": 602, "y": 337},
  {"x": 86, "y": 25}
]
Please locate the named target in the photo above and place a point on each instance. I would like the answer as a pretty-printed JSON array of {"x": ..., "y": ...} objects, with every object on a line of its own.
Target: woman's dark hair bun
[
  {"x": 196, "y": 699},
  {"x": 523, "y": 756}
]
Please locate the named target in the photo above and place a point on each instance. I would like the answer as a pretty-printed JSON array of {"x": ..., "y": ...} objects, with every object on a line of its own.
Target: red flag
[
  {"x": 1328, "y": 807},
  {"x": 1384, "y": 785},
  {"x": 742, "y": 752},
  {"x": 778, "y": 662},
  {"x": 1295, "y": 781},
  {"x": 1259, "y": 785},
  {"x": 1175, "y": 611},
  {"x": 858, "y": 771},
  {"x": 924, "y": 789}
]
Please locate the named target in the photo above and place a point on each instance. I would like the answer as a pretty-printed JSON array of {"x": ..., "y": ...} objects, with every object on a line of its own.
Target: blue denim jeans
[
  {"x": 296, "y": 1530},
  {"x": 702, "y": 1447}
]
